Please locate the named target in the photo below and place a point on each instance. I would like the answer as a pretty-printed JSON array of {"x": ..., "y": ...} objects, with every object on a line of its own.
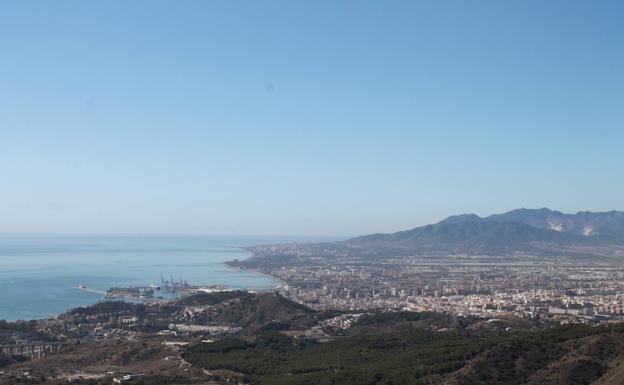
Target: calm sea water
[{"x": 37, "y": 273}]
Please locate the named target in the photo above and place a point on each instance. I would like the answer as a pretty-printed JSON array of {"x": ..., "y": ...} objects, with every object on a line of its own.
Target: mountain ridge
[{"x": 516, "y": 230}]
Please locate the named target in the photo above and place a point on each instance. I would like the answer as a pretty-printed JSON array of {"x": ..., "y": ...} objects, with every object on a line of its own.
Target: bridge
[{"x": 31, "y": 350}]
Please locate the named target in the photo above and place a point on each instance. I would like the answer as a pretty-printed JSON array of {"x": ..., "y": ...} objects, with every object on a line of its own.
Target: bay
[{"x": 37, "y": 273}]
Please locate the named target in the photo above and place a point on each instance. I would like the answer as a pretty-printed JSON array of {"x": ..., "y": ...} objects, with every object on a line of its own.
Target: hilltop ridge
[{"x": 516, "y": 230}]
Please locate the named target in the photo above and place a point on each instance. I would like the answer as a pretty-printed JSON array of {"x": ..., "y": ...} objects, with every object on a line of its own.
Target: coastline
[
  {"x": 39, "y": 283},
  {"x": 238, "y": 265}
]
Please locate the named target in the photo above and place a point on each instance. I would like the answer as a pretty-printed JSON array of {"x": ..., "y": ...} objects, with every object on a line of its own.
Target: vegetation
[
  {"x": 394, "y": 358},
  {"x": 254, "y": 312},
  {"x": 417, "y": 356},
  {"x": 211, "y": 298},
  {"x": 8, "y": 360},
  {"x": 106, "y": 307},
  {"x": 25, "y": 330},
  {"x": 19, "y": 326}
]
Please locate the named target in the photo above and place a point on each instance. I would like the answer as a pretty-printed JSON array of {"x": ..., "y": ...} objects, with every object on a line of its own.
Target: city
[{"x": 569, "y": 291}]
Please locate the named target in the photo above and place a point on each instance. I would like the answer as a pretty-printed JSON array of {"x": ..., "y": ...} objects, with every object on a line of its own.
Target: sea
[{"x": 38, "y": 273}]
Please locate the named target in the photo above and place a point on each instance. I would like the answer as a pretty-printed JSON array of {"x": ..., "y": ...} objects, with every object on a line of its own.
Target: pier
[{"x": 84, "y": 288}]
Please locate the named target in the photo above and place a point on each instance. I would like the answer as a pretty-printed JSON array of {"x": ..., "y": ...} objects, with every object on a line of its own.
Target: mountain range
[{"x": 517, "y": 230}]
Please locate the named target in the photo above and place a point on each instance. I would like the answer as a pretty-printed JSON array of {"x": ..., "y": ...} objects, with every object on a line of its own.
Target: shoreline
[
  {"x": 101, "y": 294},
  {"x": 251, "y": 270},
  {"x": 231, "y": 265}
]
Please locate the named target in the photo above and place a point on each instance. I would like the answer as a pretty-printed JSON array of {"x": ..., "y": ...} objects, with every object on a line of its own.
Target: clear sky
[{"x": 316, "y": 118}]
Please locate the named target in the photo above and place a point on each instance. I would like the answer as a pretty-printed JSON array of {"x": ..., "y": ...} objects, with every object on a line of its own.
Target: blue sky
[{"x": 310, "y": 118}]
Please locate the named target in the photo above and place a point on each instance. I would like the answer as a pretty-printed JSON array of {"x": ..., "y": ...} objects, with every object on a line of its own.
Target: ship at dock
[{"x": 130, "y": 292}]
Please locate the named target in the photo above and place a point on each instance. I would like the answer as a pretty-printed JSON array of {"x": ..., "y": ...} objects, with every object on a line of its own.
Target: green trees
[
  {"x": 407, "y": 357},
  {"x": 393, "y": 358}
]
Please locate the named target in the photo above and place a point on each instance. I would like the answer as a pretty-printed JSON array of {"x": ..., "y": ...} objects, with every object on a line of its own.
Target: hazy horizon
[
  {"x": 295, "y": 237},
  {"x": 304, "y": 119}
]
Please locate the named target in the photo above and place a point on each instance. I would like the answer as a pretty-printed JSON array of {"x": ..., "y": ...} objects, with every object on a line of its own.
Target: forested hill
[{"x": 562, "y": 355}]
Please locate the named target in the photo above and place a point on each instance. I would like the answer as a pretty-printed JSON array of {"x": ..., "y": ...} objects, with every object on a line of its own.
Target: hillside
[
  {"x": 562, "y": 355},
  {"x": 604, "y": 226},
  {"x": 519, "y": 230},
  {"x": 251, "y": 311},
  {"x": 379, "y": 348},
  {"x": 247, "y": 312}
]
